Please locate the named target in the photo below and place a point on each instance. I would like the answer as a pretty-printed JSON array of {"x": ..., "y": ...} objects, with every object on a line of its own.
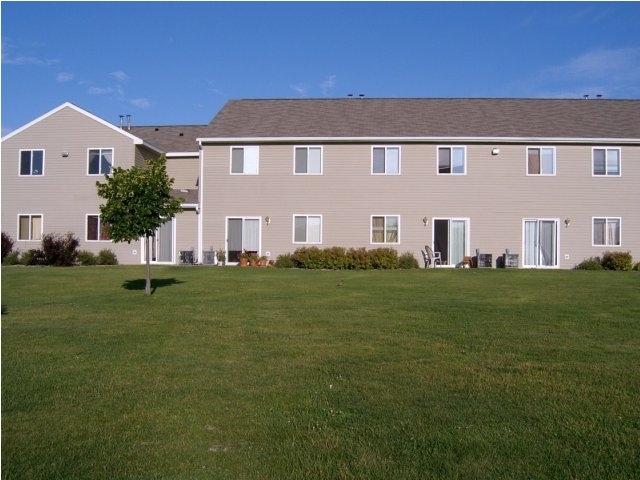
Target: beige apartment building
[{"x": 551, "y": 182}]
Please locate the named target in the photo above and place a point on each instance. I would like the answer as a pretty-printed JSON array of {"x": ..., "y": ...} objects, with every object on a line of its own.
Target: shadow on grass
[{"x": 140, "y": 283}]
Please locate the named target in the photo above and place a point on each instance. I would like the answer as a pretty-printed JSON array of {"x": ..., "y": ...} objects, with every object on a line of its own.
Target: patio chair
[{"x": 434, "y": 257}]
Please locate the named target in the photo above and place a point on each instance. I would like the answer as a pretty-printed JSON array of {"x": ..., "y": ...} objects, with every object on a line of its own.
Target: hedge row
[
  {"x": 57, "y": 250},
  {"x": 339, "y": 258},
  {"x": 609, "y": 261}
]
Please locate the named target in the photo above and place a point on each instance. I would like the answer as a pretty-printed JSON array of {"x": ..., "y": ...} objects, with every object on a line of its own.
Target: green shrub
[
  {"x": 106, "y": 257},
  {"x": 86, "y": 258},
  {"x": 383, "y": 258},
  {"x": 284, "y": 261},
  {"x": 407, "y": 261},
  {"x": 592, "y": 263},
  {"x": 636, "y": 267},
  {"x": 617, "y": 261},
  {"x": 12, "y": 258},
  {"x": 308, "y": 257},
  {"x": 60, "y": 250},
  {"x": 33, "y": 257},
  {"x": 7, "y": 245},
  {"x": 357, "y": 259}
]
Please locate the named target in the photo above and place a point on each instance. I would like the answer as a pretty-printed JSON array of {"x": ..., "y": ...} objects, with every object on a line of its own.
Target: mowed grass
[{"x": 231, "y": 373}]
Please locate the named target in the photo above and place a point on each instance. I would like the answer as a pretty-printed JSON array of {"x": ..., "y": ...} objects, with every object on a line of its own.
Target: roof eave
[{"x": 443, "y": 139}]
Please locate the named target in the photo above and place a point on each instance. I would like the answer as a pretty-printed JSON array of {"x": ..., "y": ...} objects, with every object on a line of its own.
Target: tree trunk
[{"x": 147, "y": 288}]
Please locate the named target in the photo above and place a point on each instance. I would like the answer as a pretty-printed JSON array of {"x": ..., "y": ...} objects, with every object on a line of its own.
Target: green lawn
[{"x": 231, "y": 373}]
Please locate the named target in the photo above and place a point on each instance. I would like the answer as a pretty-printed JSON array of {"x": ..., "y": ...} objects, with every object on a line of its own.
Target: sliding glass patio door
[
  {"x": 242, "y": 234},
  {"x": 540, "y": 243},
  {"x": 450, "y": 238}
]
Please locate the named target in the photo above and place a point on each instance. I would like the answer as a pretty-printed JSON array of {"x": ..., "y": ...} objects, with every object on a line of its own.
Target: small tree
[{"x": 138, "y": 202}]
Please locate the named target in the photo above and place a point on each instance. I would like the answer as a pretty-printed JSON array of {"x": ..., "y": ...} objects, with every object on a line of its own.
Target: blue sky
[{"x": 179, "y": 62}]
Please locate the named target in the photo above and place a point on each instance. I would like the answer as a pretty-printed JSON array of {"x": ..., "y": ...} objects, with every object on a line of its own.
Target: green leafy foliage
[
  {"x": 138, "y": 200},
  {"x": 106, "y": 257},
  {"x": 338, "y": 258},
  {"x": 407, "y": 261},
  {"x": 591, "y": 263},
  {"x": 86, "y": 258},
  {"x": 617, "y": 261}
]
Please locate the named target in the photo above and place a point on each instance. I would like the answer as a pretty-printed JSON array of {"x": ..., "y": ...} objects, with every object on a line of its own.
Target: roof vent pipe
[
  {"x": 121, "y": 118},
  {"x": 586, "y": 97},
  {"x": 128, "y": 122}
]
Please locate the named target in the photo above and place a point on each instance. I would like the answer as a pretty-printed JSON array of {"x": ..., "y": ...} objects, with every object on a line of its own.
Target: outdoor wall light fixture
[
  {"x": 495, "y": 151},
  {"x": 567, "y": 222},
  {"x": 267, "y": 220},
  {"x": 65, "y": 154},
  {"x": 425, "y": 220}
]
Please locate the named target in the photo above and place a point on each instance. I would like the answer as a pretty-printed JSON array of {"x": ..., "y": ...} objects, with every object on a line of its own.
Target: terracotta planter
[{"x": 244, "y": 262}]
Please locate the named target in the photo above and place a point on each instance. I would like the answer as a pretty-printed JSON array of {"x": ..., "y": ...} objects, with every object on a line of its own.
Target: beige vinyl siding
[
  {"x": 65, "y": 194},
  {"x": 184, "y": 170},
  {"x": 495, "y": 196},
  {"x": 186, "y": 225}
]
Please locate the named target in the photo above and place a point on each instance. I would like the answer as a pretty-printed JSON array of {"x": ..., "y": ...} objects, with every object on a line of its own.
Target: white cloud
[
  {"x": 328, "y": 85},
  {"x": 141, "y": 102},
  {"x": 120, "y": 76},
  {"x": 600, "y": 63},
  {"x": 100, "y": 90},
  {"x": 64, "y": 77},
  {"x": 609, "y": 72},
  {"x": 300, "y": 89}
]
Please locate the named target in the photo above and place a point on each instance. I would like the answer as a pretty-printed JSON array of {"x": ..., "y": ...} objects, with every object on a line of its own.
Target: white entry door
[{"x": 540, "y": 244}]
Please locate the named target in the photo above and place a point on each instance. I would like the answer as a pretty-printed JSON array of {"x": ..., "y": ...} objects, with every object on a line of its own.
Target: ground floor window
[
  {"x": 307, "y": 229},
  {"x": 385, "y": 229},
  {"x": 29, "y": 227},
  {"x": 96, "y": 230},
  {"x": 606, "y": 231}
]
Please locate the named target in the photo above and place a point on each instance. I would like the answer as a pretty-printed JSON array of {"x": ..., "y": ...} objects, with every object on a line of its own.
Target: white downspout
[{"x": 200, "y": 201}]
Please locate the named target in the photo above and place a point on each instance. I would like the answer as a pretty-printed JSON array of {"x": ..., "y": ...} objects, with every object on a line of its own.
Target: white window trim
[
  {"x": 371, "y": 242},
  {"x": 113, "y": 160},
  {"x": 606, "y": 219},
  {"x": 619, "y": 174},
  {"x": 387, "y": 147},
  {"x": 540, "y": 147},
  {"x": 307, "y": 147},
  {"x": 293, "y": 233},
  {"x": 464, "y": 147},
  {"x": 20, "y": 161},
  {"x": 257, "y": 172},
  {"x": 30, "y": 215},
  {"x": 86, "y": 228}
]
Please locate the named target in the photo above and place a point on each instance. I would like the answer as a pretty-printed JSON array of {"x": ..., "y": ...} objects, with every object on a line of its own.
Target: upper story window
[
  {"x": 308, "y": 160},
  {"x": 29, "y": 227},
  {"x": 606, "y": 232},
  {"x": 307, "y": 229},
  {"x": 244, "y": 160},
  {"x": 452, "y": 160},
  {"x": 96, "y": 230},
  {"x": 385, "y": 160},
  {"x": 541, "y": 161},
  {"x": 100, "y": 161},
  {"x": 31, "y": 162},
  {"x": 606, "y": 161},
  {"x": 385, "y": 229}
]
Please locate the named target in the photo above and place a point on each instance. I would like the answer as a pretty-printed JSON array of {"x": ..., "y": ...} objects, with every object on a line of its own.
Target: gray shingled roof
[
  {"x": 423, "y": 117},
  {"x": 171, "y": 138}
]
